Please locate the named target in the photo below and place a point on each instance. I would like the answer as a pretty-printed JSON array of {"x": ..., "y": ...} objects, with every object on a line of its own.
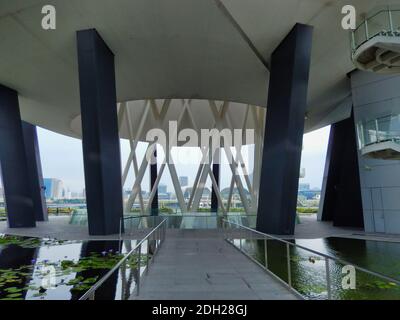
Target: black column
[
  {"x": 153, "y": 178},
  {"x": 287, "y": 101},
  {"x": 100, "y": 139},
  {"x": 216, "y": 172},
  {"x": 14, "y": 167},
  {"x": 35, "y": 170},
  {"x": 342, "y": 202}
]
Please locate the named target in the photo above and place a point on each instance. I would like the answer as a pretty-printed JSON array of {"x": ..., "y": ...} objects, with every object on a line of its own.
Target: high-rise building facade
[
  {"x": 53, "y": 188},
  {"x": 184, "y": 181}
]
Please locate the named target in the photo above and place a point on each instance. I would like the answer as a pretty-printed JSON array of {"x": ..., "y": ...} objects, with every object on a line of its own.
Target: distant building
[
  {"x": 162, "y": 188},
  {"x": 304, "y": 186},
  {"x": 164, "y": 196},
  {"x": 53, "y": 188},
  {"x": 309, "y": 194},
  {"x": 66, "y": 194},
  {"x": 188, "y": 191},
  {"x": 184, "y": 181}
]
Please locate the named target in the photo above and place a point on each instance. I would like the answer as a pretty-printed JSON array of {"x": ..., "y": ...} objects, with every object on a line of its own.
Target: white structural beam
[
  {"x": 232, "y": 163},
  {"x": 142, "y": 170},
  {"x": 135, "y": 142},
  {"x": 222, "y": 120},
  {"x": 134, "y": 158}
]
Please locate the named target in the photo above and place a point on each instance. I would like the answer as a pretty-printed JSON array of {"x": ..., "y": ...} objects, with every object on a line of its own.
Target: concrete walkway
[
  {"x": 59, "y": 228},
  {"x": 311, "y": 228},
  {"x": 200, "y": 265}
]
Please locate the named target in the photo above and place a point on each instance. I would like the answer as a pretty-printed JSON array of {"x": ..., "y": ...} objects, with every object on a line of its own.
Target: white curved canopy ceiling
[
  {"x": 169, "y": 49},
  {"x": 141, "y": 116}
]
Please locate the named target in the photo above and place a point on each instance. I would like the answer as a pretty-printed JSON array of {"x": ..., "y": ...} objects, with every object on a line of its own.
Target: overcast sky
[{"x": 62, "y": 158}]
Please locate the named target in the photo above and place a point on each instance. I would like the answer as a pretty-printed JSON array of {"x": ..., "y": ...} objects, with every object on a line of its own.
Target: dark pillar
[
  {"x": 153, "y": 178},
  {"x": 287, "y": 101},
  {"x": 35, "y": 170},
  {"x": 216, "y": 172},
  {"x": 14, "y": 167},
  {"x": 100, "y": 139},
  {"x": 342, "y": 202}
]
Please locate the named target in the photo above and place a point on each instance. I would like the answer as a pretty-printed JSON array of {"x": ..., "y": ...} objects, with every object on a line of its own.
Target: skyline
[{"x": 62, "y": 158}]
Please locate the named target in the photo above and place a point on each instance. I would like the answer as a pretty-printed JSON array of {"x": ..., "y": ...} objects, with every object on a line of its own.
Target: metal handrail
[
  {"x": 90, "y": 294},
  {"x": 325, "y": 256},
  {"x": 167, "y": 216},
  {"x": 380, "y": 132},
  {"x": 366, "y": 29}
]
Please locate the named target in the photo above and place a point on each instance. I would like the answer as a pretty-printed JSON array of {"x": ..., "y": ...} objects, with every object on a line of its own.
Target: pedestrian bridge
[
  {"x": 201, "y": 265},
  {"x": 236, "y": 263},
  {"x": 232, "y": 262}
]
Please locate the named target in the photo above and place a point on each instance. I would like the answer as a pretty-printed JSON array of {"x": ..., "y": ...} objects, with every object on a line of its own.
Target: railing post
[
  {"x": 240, "y": 237},
  {"x": 353, "y": 39},
  {"x": 163, "y": 231},
  {"x": 120, "y": 227},
  {"x": 266, "y": 252},
  {"x": 148, "y": 255},
  {"x": 377, "y": 130},
  {"x": 92, "y": 296},
  {"x": 157, "y": 235},
  {"x": 289, "y": 269},
  {"x": 391, "y": 21},
  {"x": 366, "y": 29},
  {"x": 138, "y": 268},
  {"x": 328, "y": 279}
]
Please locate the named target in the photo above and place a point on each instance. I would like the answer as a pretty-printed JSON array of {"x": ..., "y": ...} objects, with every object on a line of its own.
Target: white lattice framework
[{"x": 222, "y": 119}]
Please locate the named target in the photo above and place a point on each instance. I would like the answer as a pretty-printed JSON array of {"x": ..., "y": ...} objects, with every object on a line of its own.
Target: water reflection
[
  {"x": 15, "y": 264},
  {"x": 91, "y": 250},
  {"x": 45, "y": 269},
  {"x": 308, "y": 270}
]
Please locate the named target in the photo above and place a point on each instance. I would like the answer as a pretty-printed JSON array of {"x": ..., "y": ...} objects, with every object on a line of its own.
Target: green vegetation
[
  {"x": 20, "y": 241},
  {"x": 308, "y": 274},
  {"x": 57, "y": 211},
  {"x": 166, "y": 210},
  {"x": 69, "y": 201},
  {"x": 307, "y": 211},
  {"x": 14, "y": 282}
]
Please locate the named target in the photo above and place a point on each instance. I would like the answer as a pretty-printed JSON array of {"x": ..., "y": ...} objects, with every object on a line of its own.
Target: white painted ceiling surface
[
  {"x": 170, "y": 49},
  {"x": 186, "y": 113}
]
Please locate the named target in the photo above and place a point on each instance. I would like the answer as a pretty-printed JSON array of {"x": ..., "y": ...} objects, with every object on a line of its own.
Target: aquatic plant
[{"x": 16, "y": 282}]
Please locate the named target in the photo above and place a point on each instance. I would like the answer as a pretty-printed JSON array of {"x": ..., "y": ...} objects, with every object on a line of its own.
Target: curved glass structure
[
  {"x": 385, "y": 22},
  {"x": 382, "y": 129}
]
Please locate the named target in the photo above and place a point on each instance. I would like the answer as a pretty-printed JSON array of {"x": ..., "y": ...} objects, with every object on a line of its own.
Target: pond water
[
  {"x": 308, "y": 270},
  {"x": 46, "y": 269}
]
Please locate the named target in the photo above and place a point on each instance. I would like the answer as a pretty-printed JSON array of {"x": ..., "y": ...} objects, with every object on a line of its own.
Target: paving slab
[{"x": 190, "y": 266}]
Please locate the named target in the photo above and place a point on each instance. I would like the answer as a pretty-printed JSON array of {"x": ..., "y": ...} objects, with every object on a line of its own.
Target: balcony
[
  {"x": 380, "y": 138},
  {"x": 376, "y": 42}
]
